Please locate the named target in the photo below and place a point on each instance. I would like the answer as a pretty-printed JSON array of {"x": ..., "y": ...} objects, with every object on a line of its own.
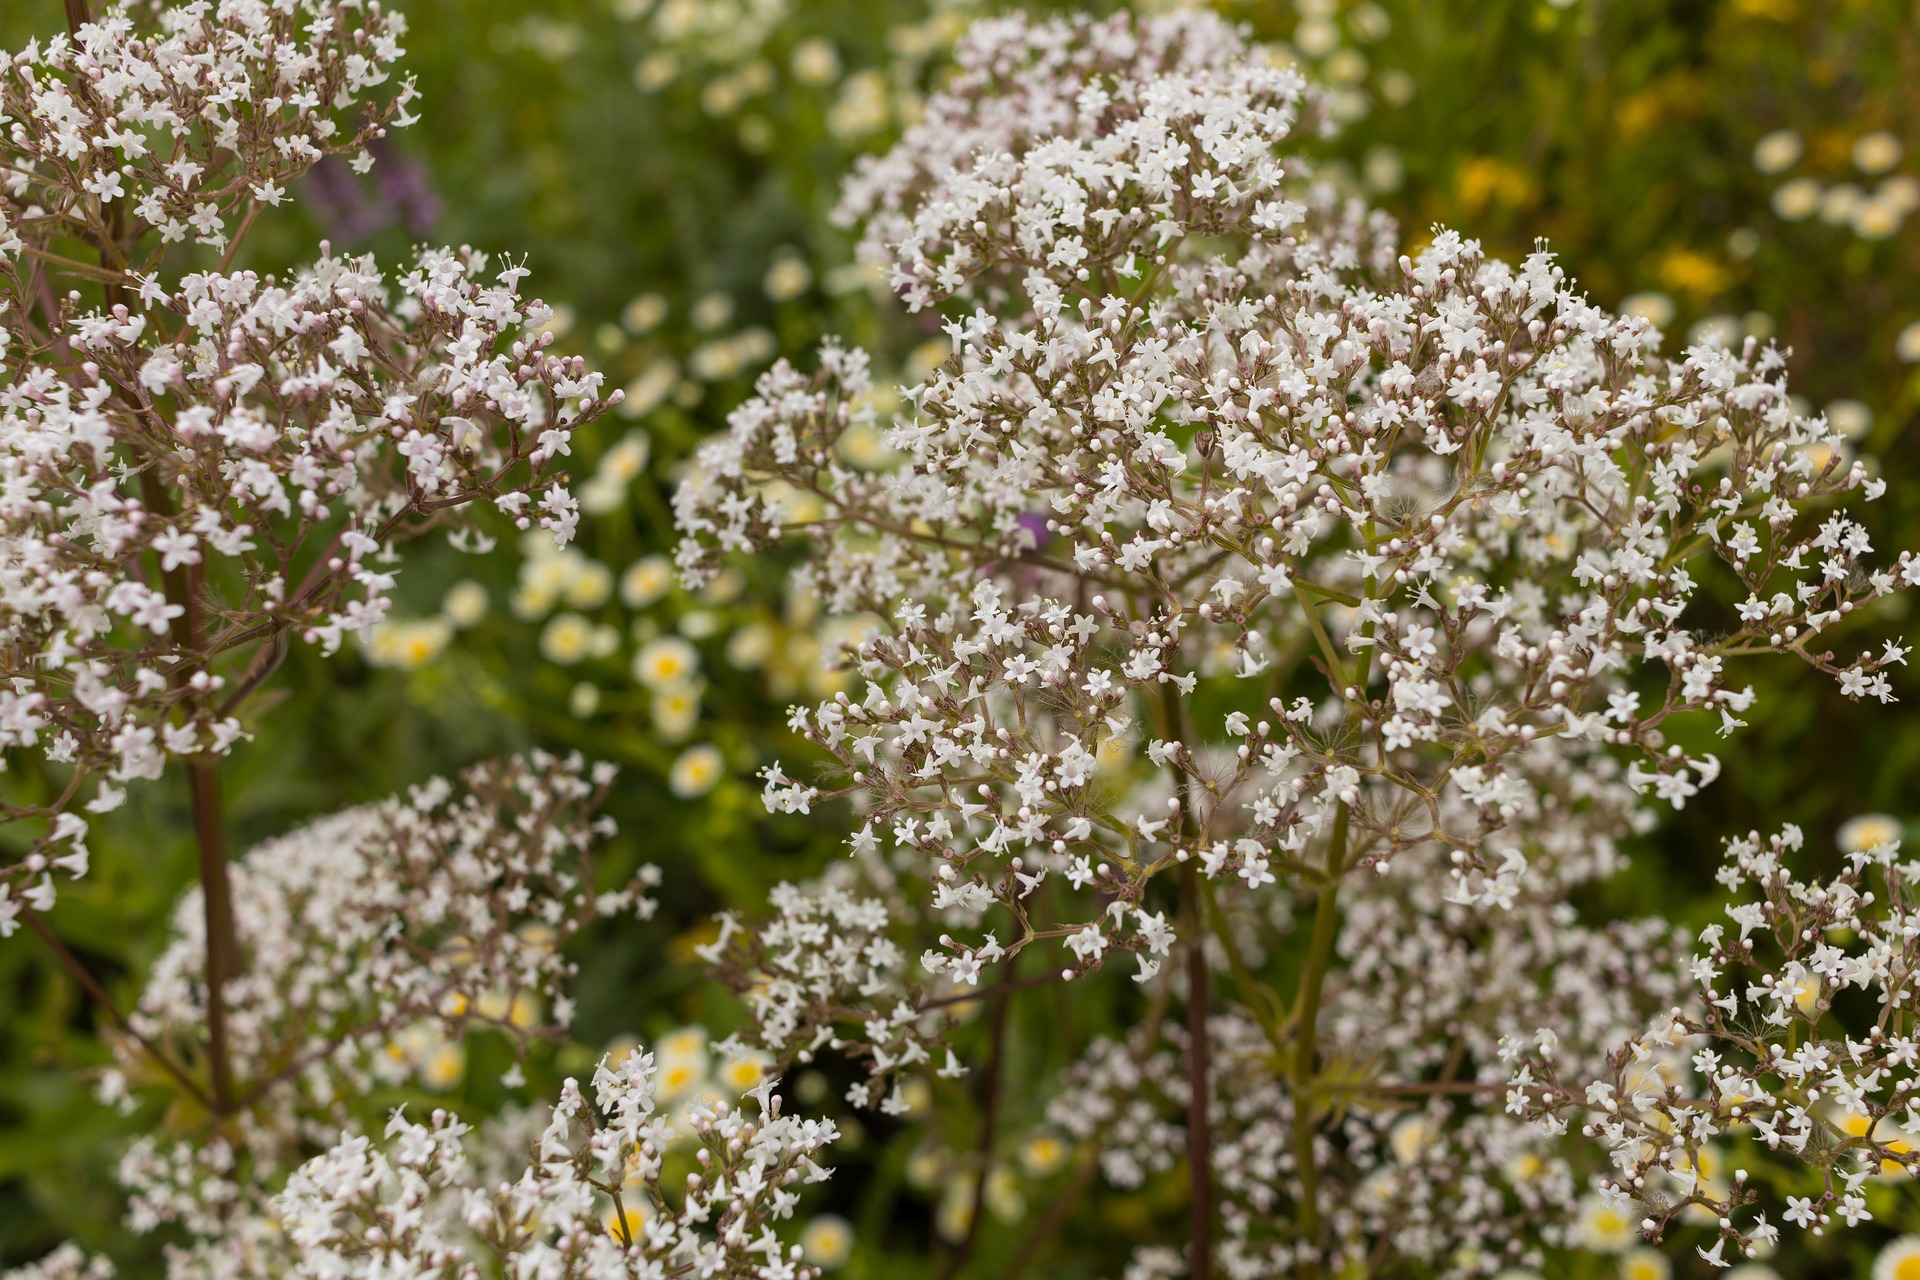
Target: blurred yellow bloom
[
  {"x": 407, "y": 645},
  {"x": 787, "y": 278},
  {"x": 743, "y": 1073},
  {"x": 1868, "y": 831},
  {"x": 696, "y": 771},
  {"x": 1796, "y": 199},
  {"x": 1778, "y": 150},
  {"x": 1876, "y": 152},
  {"x": 668, "y": 661},
  {"x": 465, "y": 604},
  {"x": 1488, "y": 181},
  {"x": 567, "y": 639},
  {"x": 1043, "y": 1154},
  {"x": 1693, "y": 273},
  {"x": 827, "y": 1240},
  {"x": 676, "y": 709},
  {"x": 443, "y": 1066},
  {"x": 645, "y": 581},
  {"x": 815, "y": 61}
]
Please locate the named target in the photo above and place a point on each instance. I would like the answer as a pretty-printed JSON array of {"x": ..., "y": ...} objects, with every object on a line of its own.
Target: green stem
[
  {"x": 1259, "y": 998},
  {"x": 1326, "y": 918}
]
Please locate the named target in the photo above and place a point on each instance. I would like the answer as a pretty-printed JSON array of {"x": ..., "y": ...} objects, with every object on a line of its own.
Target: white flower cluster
[
  {"x": 826, "y": 972},
  {"x": 1762, "y": 1054},
  {"x": 593, "y": 1204},
  {"x": 186, "y": 115},
  {"x": 1394, "y": 563},
  {"x": 1477, "y": 504},
  {"x": 591, "y": 1201},
  {"x": 211, "y": 463},
  {"x": 1069, "y": 149},
  {"x": 431, "y": 913}
]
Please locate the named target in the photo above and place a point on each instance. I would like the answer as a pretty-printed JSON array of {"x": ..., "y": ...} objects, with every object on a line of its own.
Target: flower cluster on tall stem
[
  {"x": 1399, "y": 569},
  {"x": 203, "y": 464}
]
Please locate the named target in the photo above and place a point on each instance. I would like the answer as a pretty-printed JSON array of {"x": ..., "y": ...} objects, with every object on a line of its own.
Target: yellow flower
[
  {"x": 787, "y": 278},
  {"x": 665, "y": 663},
  {"x": 1604, "y": 1226},
  {"x": 1485, "y": 181},
  {"x": 710, "y": 311},
  {"x": 676, "y": 710},
  {"x": 1043, "y": 1154},
  {"x": 1411, "y": 1137},
  {"x": 589, "y": 583},
  {"x": 1693, "y": 273},
  {"x": 1855, "y": 1125},
  {"x": 1779, "y": 150},
  {"x": 955, "y": 1212},
  {"x": 1876, "y": 152},
  {"x": 1876, "y": 219},
  {"x": 625, "y": 1219},
  {"x": 644, "y": 313},
  {"x": 1796, "y": 199},
  {"x": 677, "y": 1079},
  {"x": 650, "y": 388},
  {"x": 645, "y": 581},
  {"x": 1645, "y": 1264},
  {"x": 584, "y": 699},
  {"x": 749, "y": 646},
  {"x": 465, "y": 604},
  {"x": 1524, "y": 1167},
  {"x": 696, "y": 771},
  {"x": 407, "y": 645},
  {"x": 826, "y": 1240},
  {"x": 567, "y": 639},
  {"x": 684, "y": 1052},
  {"x": 1868, "y": 831},
  {"x": 1656, "y": 308},
  {"x": 815, "y": 61},
  {"x": 1900, "y": 1260},
  {"x": 744, "y": 1072},
  {"x": 1003, "y": 1196},
  {"x": 443, "y": 1065}
]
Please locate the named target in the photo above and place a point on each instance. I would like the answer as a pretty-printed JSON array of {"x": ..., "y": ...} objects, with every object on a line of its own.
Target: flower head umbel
[
  {"x": 203, "y": 464},
  {"x": 1232, "y": 548},
  {"x": 418, "y": 918},
  {"x": 594, "y": 1202}
]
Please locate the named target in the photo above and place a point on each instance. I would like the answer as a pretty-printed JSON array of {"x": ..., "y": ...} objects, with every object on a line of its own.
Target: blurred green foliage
[{"x": 690, "y": 150}]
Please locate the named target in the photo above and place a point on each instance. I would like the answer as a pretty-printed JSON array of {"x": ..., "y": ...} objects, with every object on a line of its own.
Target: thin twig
[
  {"x": 1199, "y": 1135},
  {"x": 1057, "y": 1214},
  {"x": 210, "y": 837},
  {"x": 989, "y": 1115},
  {"x": 967, "y": 997},
  {"x": 91, "y": 985}
]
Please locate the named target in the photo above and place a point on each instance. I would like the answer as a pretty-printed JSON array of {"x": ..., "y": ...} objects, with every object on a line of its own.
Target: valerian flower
[
  {"x": 441, "y": 911},
  {"x": 590, "y": 1200},
  {"x": 205, "y": 464},
  {"x": 1342, "y": 560}
]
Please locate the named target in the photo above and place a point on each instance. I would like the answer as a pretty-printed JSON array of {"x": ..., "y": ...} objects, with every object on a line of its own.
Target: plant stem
[
  {"x": 1199, "y": 1138},
  {"x": 1196, "y": 916},
  {"x": 91, "y": 985},
  {"x": 1057, "y": 1214},
  {"x": 989, "y": 1108},
  {"x": 222, "y": 943},
  {"x": 184, "y": 589},
  {"x": 1326, "y": 917}
]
